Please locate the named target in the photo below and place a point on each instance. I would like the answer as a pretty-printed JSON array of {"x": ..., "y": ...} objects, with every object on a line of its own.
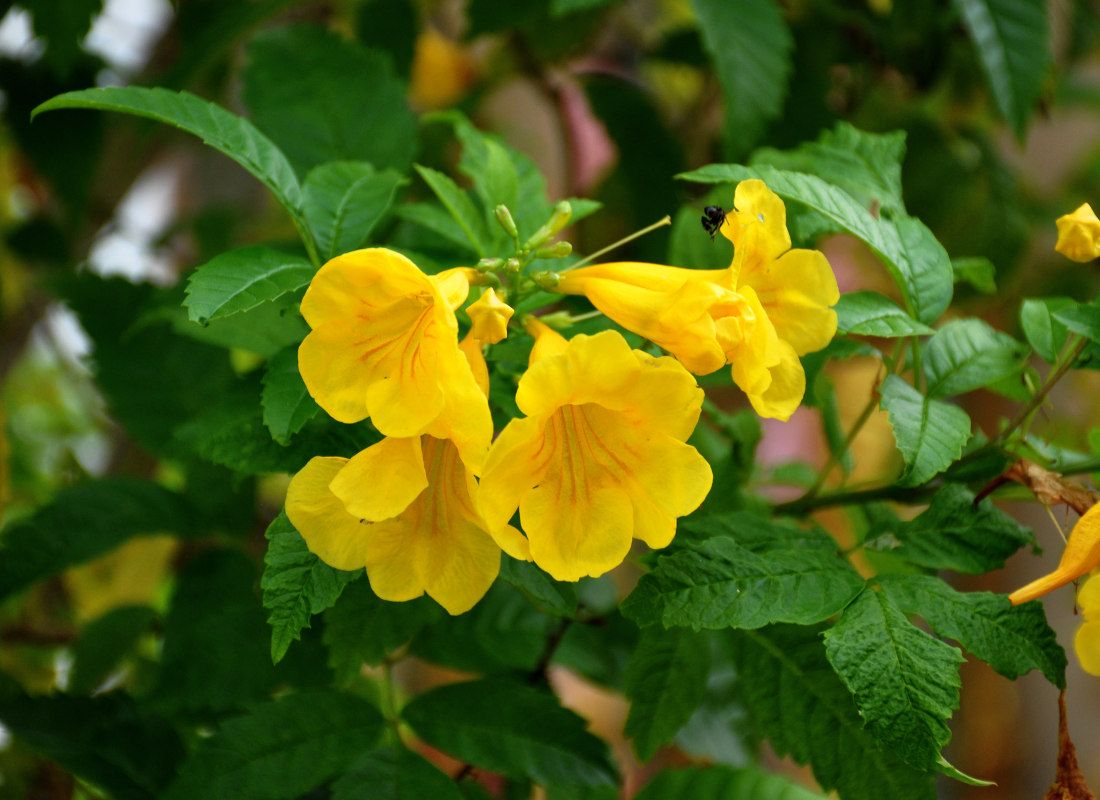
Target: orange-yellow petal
[
  {"x": 383, "y": 480},
  {"x": 360, "y": 283},
  {"x": 1079, "y": 235},
  {"x": 1082, "y": 554},
  {"x": 796, "y": 293},
  {"x": 785, "y": 390},
  {"x": 330, "y": 532}
]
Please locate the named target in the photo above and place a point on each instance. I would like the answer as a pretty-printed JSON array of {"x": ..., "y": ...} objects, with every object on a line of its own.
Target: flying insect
[{"x": 713, "y": 219}]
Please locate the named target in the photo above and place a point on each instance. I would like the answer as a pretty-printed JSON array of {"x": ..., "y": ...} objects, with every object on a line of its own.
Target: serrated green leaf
[
  {"x": 438, "y": 220},
  {"x": 717, "y": 583},
  {"x": 1046, "y": 335},
  {"x": 264, "y": 329},
  {"x": 511, "y": 729},
  {"x": 352, "y": 108},
  {"x": 460, "y": 206},
  {"x": 905, "y": 682},
  {"x": 225, "y": 132},
  {"x": 548, "y": 595},
  {"x": 757, "y": 534},
  {"x": 343, "y": 202},
  {"x": 797, "y": 702},
  {"x": 865, "y": 165},
  {"x": 966, "y": 354},
  {"x": 915, "y": 259},
  {"x": 750, "y": 45},
  {"x": 1083, "y": 320},
  {"x": 104, "y": 642},
  {"x": 108, "y": 740},
  {"x": 953, "y": 533},
  {"x": 394, "y": 775},
  {"x": 285, "y": 399},
  {"x": 361, "y": 628},
  {"x": 599, "y": 652},
  {"x": 85, "y": 521},
  {"x": 216, "y": 654},
  {"x": 872, "y": 314},
  {"x": 666, "y": 680},
  {"x": 243, "y": 279},
  {"x": 281, "y": 748},
  {"x": 1013, "y": 42},
  {"x": 1012, "y": 639},
  {"x": 978, "y": 272},
  {"x": 723, "y": 783},
  {"x": 296, "y": 584},
  {"x": 930, "y": 434}
]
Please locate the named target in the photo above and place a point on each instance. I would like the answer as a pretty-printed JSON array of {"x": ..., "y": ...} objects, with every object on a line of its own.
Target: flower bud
[
  {"x": 556, "y": 250},
  {"x": 489, "y": 315},
  {"x": 489, "y": 264},
  {"x": 513, "y": 265},
  {"x": 563, "y": 212},
  {"x": 504, "y": 217},
  {"x": 545, "y": 279},
  {"x": 1079, "y": 235}
]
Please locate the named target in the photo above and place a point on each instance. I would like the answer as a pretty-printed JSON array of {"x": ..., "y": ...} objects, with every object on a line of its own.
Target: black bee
[{"x": 713, "y": 218}]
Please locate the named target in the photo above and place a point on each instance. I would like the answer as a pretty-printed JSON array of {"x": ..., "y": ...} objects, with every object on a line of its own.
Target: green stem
[
  {"x": 903, "y": 494},
  {"x": 1061, "y": 368},
  {"x": 840, "y": 452},
  {"x": 665, "y": 220},
  {"x": 388, "y": 704}
]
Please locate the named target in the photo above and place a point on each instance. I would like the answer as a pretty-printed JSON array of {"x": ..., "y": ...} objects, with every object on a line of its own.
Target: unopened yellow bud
[
  {"x": 1079, "y": 235},
  {"x": 489, "y": 316}
]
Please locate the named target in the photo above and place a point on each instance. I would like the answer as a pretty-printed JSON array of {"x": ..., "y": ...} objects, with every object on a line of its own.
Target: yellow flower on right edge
[
  {"x": 772, "y": 305},
  {"x": 1079, "y": 235}
]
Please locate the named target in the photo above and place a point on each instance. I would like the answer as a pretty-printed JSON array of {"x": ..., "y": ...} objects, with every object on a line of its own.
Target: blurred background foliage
[{"x": 101, "y": 215}]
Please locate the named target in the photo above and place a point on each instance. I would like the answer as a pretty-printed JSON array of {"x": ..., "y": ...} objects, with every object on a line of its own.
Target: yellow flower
[
  {"x": 384, "y": 344},
  {"x": 403, "y": 509},
  {"x": 1082, "y": 554},
  {"x": 1079, "y": 235},
  {"x": 769, "y": 307},
  {"x": 442, "y": 71},
  {"x": 600, "y": 459},
  {"x": 489, "y": 315},
  {"x": 1087, "y": 639}
]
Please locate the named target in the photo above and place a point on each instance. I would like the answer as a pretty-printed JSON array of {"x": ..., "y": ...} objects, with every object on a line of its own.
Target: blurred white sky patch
[{"x": 124, "y": 34}]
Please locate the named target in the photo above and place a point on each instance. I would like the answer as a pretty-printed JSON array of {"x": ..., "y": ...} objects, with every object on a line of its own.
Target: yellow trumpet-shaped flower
[
  {"x": 1079, "y": 235},
  {"x": 489, "y": 315},
  {"x": 1082, "y": 554},
  {"x": 772, "y": 304},
  {"x": 384, "y": 344},
  {"x": 1087, "y": 639},
  {"x": 403, "y": 509},
  {"x": 600, "y": 459}
]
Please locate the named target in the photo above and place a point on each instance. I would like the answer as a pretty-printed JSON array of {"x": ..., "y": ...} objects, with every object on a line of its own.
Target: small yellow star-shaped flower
[
  {"x": 489, "y": 316},
  {"x": 1079, "y": 235}
]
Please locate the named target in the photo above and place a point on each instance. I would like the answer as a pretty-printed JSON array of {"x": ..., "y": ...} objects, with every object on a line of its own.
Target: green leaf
[
  {"x": 63, "y": 32},
  {"x": 666, "y": 680},
  {"x": 1012, "y": 639},
  {"x": 865, "y": 165},
  {"x": 216, "y": 654},
  {"x": 394, "y": 775},
  {"x": 797, "y": 702},
  {"x": 85, "y": 521},
  {"x": 281, "y": 748},
  {"x": 723, "y": 783},
  {"x": 717, "y": 583},
  {"x": 905, "y": 682},
  {"x": 438, "y": 220},
  {"x": 104, "y": 642},
  {"x": 108, "y": 740},
  {"x": 966, "y": 354},
  {"x": 285, "y": 399},
  {"x": 1046, "y": 335},
  {"x": 296, "y": 584},
  {"x": 756, "y": 534},
  {"x": 915, "y": 259},
  {"x": 548, "y": 595},
  {"x": 361, "y": 628},
  {"x": 1083, "y": 320},
  {"x": 460, "y": 206},
  {"x": 1013, "y": 42},
  {"x": 953, "y": 533},
  {"x": 264, "y": 330},
  {"x": 978, "y": 272},
  {"x": 352, "y": 108},
  {"x": 930, "y": 434},
  {"x": 243, "y": 279},
  {"x": 750, "y": 45},
  {"x": 872, "y": 314},
  {"x": 344, "y": 200},
  {"x": 225, "y": 132},
  {"x": 511, "y": 729}
]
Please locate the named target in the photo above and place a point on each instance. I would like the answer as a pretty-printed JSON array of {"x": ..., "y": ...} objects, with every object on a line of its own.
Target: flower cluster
[{"x": 600, "y": 457}]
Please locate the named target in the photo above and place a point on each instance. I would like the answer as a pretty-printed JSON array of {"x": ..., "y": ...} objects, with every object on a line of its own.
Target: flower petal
[
  {"x": 786, "y": 389},
  {"x": 331, "y": 533},
  {"x": 383, "y": 480},
  {"x": 516, "y": 463},
  {"x": 358, "y": 283},
  {"x": 797, "y": 292},
  {"x": 1087, "y": 644}
]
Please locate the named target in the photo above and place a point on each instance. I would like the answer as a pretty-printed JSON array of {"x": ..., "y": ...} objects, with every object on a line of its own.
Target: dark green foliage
[
  {"x": 512, "y": 729},
  {"x": 930, "y": 433},
  {"x": 104, "y": 642},
  {"x": 723, "y": 783},
  {"x": 394, "y": 775}
]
